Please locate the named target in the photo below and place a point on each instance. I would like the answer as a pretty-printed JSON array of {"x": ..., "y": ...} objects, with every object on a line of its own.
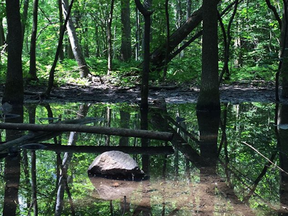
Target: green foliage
[{"x": 255, "y": 42}]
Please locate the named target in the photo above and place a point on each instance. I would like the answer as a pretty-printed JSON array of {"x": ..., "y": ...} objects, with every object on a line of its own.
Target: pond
[{"x": 228, "y": 163}]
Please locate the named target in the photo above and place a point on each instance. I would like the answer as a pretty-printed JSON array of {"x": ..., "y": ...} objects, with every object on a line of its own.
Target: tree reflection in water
[{"x": 12, "y": 165}]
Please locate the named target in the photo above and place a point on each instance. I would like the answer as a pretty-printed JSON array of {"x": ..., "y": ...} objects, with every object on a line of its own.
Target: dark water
[{"x": 228, "y": 163}]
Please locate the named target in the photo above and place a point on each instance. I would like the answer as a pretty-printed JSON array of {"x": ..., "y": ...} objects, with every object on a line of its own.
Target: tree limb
[{"x": 277, "y": 17}]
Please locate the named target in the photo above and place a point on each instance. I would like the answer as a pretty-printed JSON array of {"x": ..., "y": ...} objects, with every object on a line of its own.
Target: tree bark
[
  {"x": 76, "y": 47},
  {"x": 24, "y": 17},
  {"x": 209, "y": 98},
  {"x": 61, "y": 53},
  {"x": 124, "y": 123},
  {"x": 14, "y": 91},
  {"x": 284, "y": 53},
  {"x": 12, "y": 166},
  {"x": 137, "y": 35},
  {"x": 283, "y": 152},
  {"x": 167, "y": 39},
  {"x": 32, "y": 70},
  {"x": 146, "y": 65},
  {"x": 2, "y": 36},
  {"x": 59, "y": 47},
  {"x": 126, "y": 52},
  {"x": 109, "y": 38}
]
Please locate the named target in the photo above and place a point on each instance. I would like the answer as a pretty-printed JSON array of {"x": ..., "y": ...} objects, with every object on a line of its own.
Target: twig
[{"x": 279, "y": 168}]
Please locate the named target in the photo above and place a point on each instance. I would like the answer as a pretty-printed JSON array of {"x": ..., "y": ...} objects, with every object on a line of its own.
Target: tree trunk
[
  {"x": 34, "y": 182},
  {"x": 126, "y": 52},
  {"x": 14, "y": 91},
  {"x": 137, "y": 35},
  {"x": 208, "y": 130},
  {"x": 24, "y": 17},
  {"x": 284, "y": 54},
  {"x": 167, "y": 39},
  {"x": 61, "y": 53},
  {"x": 188, "y": 8},
  {"x": 12, "y": 164},
  {"x": 76, "y": 48},
  {"x": 209, "y": 98},
  {"x": 146, "y": 65},
  {"x": 109, "y": 38},
  {"x": 32, "y": 70},
  {"x": 283, "y": 151},
  {"x": 2, "y": 36},
  {"x": 124, "y": 123},
  {"x": 59, "y": 47}
]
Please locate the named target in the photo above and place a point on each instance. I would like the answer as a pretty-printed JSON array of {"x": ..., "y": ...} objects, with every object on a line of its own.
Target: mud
[{"x": 255, "y": 91}]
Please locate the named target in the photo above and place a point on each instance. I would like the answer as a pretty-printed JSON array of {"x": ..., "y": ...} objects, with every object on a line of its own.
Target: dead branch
[{"x": 275, "y": 165}]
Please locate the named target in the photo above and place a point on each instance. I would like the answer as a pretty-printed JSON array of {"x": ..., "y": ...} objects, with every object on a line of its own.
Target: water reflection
[
  {"x": 210, "y": 172},
  {"x": 12, "y": 165},
  {"x": 283, "y": 154}
]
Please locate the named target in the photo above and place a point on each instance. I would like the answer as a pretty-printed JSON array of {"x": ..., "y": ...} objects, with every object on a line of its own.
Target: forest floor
[{"x": 252, "y": 91}]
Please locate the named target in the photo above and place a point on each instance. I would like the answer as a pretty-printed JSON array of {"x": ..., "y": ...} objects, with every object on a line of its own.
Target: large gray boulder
[{"x": 116, "y": 165}]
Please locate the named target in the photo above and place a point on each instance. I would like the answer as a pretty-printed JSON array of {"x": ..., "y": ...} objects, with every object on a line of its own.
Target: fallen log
[
  {"x": 155, "y": 150},
  {"x": 166, "y": 136},
  {"x": 38, "y": 136}
]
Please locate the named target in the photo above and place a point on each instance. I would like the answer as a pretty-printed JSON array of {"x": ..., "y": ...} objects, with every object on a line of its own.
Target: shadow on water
[{"x": 229, "y": 163}]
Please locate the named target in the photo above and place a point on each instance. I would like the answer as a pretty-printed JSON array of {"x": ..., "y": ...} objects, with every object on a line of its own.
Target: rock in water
[{"x": 116, "y": 165}]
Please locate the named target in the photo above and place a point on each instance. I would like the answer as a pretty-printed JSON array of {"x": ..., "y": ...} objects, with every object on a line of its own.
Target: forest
[
  {"x": 106, "y": 40},
  {"x": 164, "y": 81}
]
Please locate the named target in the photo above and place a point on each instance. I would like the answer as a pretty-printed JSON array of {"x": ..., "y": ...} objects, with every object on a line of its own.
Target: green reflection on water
[{"x": 176, "y": 186}]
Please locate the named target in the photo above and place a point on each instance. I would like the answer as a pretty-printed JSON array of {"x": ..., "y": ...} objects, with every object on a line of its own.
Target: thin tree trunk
[
  {"x": 59, "y": 47},
  {"x": 188, "y": 8},
  {"x": 108, "y": 117},
  {"x": 126, "y": 52},
  {"x": 124, "y": 123},
  {"x": 34, "y": 182},
  {"x": 146, "y": 65},
  {"x": 137, "y": 36},
  {"x": 24, "y": 17},
  {"x": 109, "y": 38},
  {"x": 167, "y": 39},
  {"x": 75, "y": 45},
  {"x": 61, "y": 53},
  {"x": 32, "y": 70},
  {"x": 2, "y": 36}
]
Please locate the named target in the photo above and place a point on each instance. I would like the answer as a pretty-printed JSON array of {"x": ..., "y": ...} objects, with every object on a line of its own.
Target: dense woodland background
[
  {"x": 203, "y": 43},
  {"x": 108, "y": 38}
]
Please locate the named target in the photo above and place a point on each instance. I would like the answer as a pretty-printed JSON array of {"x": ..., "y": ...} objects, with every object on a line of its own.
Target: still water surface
[{"x": 234, "y": 163}]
